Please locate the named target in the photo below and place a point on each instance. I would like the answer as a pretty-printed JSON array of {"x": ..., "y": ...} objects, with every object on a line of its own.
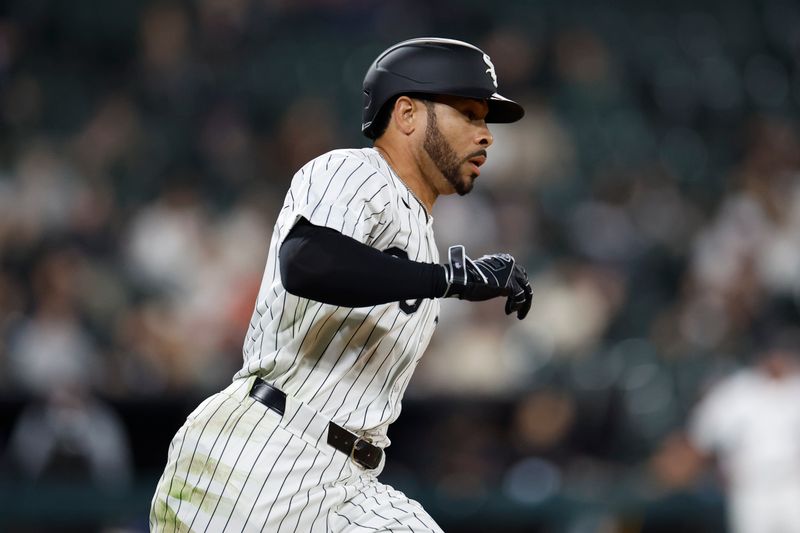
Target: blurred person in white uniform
[{"x": 750, "y": 423}]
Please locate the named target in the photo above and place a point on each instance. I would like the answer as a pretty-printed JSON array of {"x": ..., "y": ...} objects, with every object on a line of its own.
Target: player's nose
[{"x": 484, "y": 137}]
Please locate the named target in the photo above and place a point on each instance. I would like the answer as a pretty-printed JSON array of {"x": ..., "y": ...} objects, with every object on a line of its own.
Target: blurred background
[{"x": 652, "y": 191}]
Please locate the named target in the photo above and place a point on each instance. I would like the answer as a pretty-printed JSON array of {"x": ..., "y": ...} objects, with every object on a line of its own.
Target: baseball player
[
  {"x": 347, "y": 305},
  {"x": 750, "y": 422}
]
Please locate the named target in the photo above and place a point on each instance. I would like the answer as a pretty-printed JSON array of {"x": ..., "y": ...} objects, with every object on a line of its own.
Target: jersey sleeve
[{"x": 341, "y": 192}]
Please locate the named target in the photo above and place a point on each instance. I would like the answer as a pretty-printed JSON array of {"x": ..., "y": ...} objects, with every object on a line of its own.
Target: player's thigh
[
  {"x": 290, "y": 487},
  {"x": 187, "y": 451},
  {"x": 218, "y": 464},
  {"x": 379, "y": 507},
  {"x": 241, "y": 467}
]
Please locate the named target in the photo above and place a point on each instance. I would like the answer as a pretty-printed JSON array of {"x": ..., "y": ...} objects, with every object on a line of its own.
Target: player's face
[{"x": 456, "y": 139}]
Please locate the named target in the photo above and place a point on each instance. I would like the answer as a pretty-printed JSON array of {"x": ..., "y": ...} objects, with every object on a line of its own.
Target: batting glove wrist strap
[
  {"x": 488, "y": 277},
  {"x": 477, "y": 280}
]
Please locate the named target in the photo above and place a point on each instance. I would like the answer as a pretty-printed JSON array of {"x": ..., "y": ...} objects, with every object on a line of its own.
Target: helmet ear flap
[
  {"x": 378, "y": 125},
  {"x": 366, "y": 128}
]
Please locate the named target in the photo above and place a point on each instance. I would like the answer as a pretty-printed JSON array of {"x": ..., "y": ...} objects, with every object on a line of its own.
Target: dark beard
[{"x": 443, "y": 155}]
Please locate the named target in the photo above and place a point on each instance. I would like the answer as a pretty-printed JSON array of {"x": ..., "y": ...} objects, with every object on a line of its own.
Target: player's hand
[
  {"x": 521, "y": 295},
  {"x": 488, "y": 277}
]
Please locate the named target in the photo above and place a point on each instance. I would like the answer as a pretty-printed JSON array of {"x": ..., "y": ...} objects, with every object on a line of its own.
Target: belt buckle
[{"x": 359, "y": 445}]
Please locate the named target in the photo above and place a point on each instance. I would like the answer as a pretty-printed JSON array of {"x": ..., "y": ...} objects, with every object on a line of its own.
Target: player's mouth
[{"x": 475, "y": 162}]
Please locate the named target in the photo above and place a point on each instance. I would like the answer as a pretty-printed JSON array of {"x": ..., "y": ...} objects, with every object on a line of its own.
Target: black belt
[{"x": 361, "y": 451}]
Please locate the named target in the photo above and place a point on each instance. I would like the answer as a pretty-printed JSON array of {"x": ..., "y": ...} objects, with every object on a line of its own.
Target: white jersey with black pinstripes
[
  {"x": 350, "y": 364},
  {"x": 236, "y": 465}
]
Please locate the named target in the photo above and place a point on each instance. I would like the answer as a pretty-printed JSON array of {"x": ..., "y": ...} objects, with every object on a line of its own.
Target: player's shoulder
[
  {"x": 366, "y": 158},
  {"x": 736, "y": 384}
]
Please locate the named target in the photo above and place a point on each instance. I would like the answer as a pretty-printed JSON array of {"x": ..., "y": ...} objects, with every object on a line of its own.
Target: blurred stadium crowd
[{"x": 652, "y": 190}]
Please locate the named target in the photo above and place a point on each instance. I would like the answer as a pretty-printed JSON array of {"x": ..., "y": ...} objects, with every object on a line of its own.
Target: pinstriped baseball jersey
[
  {"x": 236, "y": 465},
  {"x": 352, "y": 365}
]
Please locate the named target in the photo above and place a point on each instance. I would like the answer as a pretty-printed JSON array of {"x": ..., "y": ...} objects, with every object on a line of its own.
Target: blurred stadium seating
[{"x": 652, "y": 188}]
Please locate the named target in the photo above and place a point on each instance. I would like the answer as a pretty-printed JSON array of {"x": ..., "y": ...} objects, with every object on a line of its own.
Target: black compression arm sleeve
[{"x": 321, "y": 264}]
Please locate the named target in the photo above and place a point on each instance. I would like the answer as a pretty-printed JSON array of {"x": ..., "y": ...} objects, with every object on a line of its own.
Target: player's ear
[{"x": 405, "y": 114}]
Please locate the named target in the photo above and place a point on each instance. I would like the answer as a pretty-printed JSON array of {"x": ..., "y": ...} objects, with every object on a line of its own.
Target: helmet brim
[{"x": 503, "y": 111}]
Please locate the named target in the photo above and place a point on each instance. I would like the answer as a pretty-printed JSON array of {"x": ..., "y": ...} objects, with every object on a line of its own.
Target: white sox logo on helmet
[{"x": 490, "y": 70}]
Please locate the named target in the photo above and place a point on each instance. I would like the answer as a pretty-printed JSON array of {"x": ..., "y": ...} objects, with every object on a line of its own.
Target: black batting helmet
[{"x": 432, "y": 65}]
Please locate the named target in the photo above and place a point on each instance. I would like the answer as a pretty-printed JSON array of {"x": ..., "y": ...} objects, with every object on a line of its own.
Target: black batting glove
[
  {"x": 521, "y": 293},
  {"x": 488, "y": 277}
]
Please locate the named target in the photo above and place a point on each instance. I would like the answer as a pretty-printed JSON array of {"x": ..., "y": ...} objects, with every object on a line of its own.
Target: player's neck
[{"x": 407, "y": 169}]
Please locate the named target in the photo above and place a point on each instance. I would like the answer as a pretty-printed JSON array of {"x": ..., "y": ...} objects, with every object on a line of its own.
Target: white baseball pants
[{"x": 236, "y": 465}]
